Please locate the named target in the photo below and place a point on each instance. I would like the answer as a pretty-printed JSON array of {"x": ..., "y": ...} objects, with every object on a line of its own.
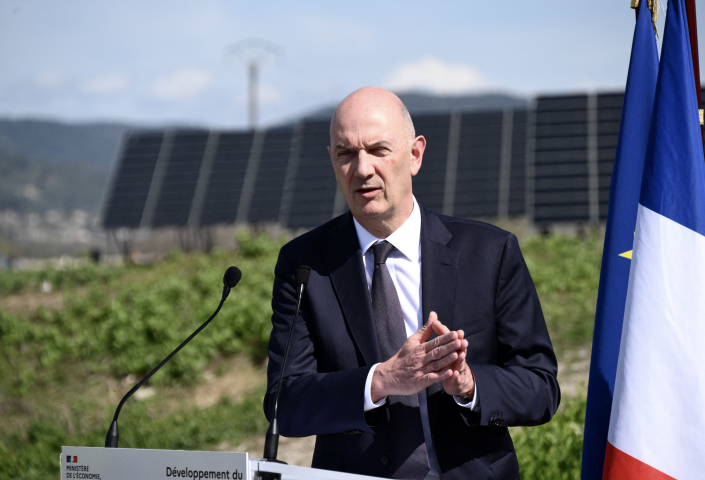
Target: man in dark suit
[{"x": 386, "y": 394}]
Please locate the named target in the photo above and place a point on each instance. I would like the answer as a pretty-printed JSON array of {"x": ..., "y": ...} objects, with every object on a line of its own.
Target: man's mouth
[{"x": 367, "y": 191}]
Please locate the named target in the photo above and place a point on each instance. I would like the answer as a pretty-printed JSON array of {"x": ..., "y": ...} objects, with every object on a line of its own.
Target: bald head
[
  {"x": 367, "y": 100},
  {"x": 375, "y": 154}
]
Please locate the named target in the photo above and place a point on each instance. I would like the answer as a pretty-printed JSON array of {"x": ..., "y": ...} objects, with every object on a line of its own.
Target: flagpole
[{"x": 693, "y": 32}]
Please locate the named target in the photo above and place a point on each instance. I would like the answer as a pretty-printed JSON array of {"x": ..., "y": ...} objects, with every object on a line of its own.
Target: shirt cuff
[
  {"x": 473, "y": 404},
  {"x": 369, "y": 404}
]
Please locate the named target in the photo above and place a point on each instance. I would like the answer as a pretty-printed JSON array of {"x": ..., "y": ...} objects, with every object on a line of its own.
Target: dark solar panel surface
[
  {"x": 180, "y": 178},
  {"x": 561, "y": 181},
  {"x": 429, "y": 183},
  {"x": 132, "y": 180},
  {"x": 477, "y": 186},
  {"x": 609, "y": 116},
  {"x": 267, "y": 196},
  {"x": 314, "y": 190},
  {"x": 226, "y": 179},
  {"x": 517, "y": 182}
]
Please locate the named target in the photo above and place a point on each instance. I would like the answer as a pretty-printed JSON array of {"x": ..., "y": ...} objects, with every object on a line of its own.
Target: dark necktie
[{"x": 409, "y": 455}]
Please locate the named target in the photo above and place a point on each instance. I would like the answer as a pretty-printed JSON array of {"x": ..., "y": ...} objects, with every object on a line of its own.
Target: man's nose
[{"x": 365, "y": 164}]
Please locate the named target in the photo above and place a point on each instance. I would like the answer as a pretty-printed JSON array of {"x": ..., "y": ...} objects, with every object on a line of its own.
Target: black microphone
[
  {"x": 271, "y": 442},
  {"x": 230, "y": 279}
]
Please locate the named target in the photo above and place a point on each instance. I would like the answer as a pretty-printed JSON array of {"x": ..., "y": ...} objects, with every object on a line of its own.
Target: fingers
[
  {"x": 444, "y": 340},
  {"x": 445, "y": 350},
  {"x": 434, "y": 377},
  {"x": 448, "y": 361},
  {"x": 423, "y": 333},
  {"x": 438, "y": 327}
]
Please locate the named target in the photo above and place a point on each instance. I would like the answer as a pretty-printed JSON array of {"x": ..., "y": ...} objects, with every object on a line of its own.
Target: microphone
[
  {"x": 230, "y": 279},
  {"x": 271, "y": 442}
]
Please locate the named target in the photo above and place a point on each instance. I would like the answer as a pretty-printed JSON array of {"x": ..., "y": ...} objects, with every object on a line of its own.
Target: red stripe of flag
[{"x": 621, "y": 466}]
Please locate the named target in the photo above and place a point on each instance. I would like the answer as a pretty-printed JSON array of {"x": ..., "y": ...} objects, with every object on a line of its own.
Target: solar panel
[
  {"x": 226, "y": 179},
  {"x": 477, "y": 190},
  {"x": 315, "y": 185},
  {"x": 429, "y": 183},
  {"x": 609, "y": 116},
  {"x": 177, "y": 188},
  {"x": 517, "y": 186},
  {"x": 561, "y": 153},
  {"x": 269, "y": 185},
  {"x": 132, "y": 180}
]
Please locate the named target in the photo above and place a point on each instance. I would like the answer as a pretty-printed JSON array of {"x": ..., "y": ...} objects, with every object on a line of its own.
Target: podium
[{"x": 93, "y": 463}]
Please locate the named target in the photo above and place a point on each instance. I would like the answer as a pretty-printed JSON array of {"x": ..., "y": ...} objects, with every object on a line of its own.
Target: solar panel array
[{"x": 551, "y": 163}]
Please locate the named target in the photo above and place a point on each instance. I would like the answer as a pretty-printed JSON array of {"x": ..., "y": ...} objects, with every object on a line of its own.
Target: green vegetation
[
  {"x": 61, "y": 364},
  {"x": 29, "y": 281},
  {"x": 124, "y": 323},
  {"x": 553, "y": 450},
  {"x": 34, "y": 454},
  {"x": 566, "y": 272}
]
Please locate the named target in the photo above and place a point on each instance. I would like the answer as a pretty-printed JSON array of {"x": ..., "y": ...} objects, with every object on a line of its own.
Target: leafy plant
[
  {"x": 553, "y": 450},
  {"x": 34, "y": 455}
]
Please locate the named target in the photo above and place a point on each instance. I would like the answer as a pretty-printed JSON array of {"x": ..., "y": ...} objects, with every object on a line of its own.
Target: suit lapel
[
  {"x": 343, "y": 258},
  {"x": 439, "y": 273}
]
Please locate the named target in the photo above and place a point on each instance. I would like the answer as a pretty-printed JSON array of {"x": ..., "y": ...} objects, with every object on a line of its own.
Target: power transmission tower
[{"x": 254, "y": 51}]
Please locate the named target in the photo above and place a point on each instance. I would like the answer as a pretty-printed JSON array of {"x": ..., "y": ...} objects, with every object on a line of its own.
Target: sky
[{"x": 160, "y": 62}]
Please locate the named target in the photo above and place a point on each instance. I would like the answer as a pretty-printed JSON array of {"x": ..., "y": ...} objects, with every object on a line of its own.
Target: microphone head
[
  {"x": 232, "y": 277},
  {"x": 302, "y": 275}
]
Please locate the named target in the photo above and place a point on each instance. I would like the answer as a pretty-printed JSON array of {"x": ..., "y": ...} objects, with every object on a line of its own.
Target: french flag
[
  {"x": 657, "y": 422},
  {"x": 71, "y": 459}
]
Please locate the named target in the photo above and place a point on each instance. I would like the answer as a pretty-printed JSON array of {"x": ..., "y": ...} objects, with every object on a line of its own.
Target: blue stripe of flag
[{"x": 619, "y": 235}]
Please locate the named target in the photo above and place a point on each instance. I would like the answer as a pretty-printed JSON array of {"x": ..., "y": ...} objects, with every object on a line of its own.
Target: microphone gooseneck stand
[
  {"x": 230, "y": 279},
  {"x": 271, "y": 441}
]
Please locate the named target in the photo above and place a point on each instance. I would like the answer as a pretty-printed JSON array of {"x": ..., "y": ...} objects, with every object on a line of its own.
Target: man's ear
[{"x": 417, "y": 148}]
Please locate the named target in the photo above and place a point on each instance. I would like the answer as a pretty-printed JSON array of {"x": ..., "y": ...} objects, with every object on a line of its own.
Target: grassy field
[{"x": 67, "y": 356}]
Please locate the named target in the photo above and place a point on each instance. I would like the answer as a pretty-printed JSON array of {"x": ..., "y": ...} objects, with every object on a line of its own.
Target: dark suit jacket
[{"x": 474, "y": 276}]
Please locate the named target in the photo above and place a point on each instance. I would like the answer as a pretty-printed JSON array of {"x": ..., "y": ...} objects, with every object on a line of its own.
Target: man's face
[{"x": 374, "y": 158}]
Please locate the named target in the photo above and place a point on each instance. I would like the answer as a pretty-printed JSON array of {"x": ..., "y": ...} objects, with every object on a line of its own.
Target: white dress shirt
[{"x": 404, "y": 265}]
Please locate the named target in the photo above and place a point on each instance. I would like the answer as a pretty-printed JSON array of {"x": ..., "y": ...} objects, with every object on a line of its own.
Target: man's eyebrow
[
  {"x": 381, "y": 143},
  {"x": 343, "y": 147}
]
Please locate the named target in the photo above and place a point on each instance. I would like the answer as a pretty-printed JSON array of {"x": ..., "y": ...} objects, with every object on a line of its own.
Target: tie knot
[{"x": 381, "y": 251}]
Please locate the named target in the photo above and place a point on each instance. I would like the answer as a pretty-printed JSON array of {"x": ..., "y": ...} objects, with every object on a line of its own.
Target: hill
[
  {"x": 35, "y": 186},
  {"x": 63, "y": 144},
  {"x": 53, "y": 165}
]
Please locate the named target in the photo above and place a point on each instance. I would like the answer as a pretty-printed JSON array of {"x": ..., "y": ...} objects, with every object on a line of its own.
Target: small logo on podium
[{"x": 71, "y": 459}]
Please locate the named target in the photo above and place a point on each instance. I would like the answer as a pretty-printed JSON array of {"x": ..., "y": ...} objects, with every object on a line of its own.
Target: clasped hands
[{"x": 419, "y": 364}]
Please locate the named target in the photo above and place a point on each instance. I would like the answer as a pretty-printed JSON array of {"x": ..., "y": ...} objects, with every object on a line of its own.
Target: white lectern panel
[{"x": 92, "y": 463}]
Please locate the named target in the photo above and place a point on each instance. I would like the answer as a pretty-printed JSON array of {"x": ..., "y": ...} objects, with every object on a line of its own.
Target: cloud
[
  {"x": 435, "y": 75},
  {"x": 48, "y": 80},
  {"x": 183, "y": 84},
  {"x": 105, "y": 84}
]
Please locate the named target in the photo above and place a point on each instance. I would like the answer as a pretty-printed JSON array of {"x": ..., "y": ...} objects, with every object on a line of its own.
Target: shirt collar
[{"x": 406, "y": 238}]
